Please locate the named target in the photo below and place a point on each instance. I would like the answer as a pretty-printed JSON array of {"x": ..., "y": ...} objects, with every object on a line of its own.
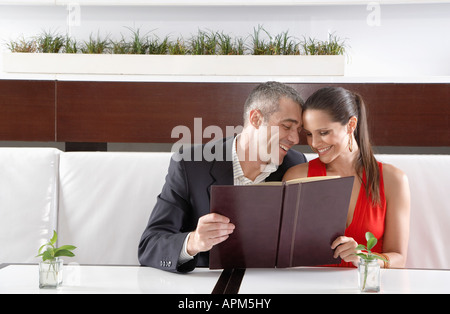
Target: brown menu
[{"x": 282, "y": 224}]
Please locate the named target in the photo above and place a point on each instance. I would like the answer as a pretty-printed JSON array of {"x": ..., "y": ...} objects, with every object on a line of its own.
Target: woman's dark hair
[{"x": 342, "y": 104}]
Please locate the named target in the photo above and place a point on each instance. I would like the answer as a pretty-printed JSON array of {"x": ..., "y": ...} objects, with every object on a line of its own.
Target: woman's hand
[{"x": 344, "y": 247}]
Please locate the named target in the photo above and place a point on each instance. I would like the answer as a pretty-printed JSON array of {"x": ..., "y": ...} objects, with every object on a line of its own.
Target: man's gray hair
[{"x": 266, "y": 97}]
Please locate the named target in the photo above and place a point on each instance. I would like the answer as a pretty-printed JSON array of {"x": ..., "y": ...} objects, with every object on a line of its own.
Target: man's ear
[
  {"x": 256, "y": 118},
  {"x": 352, "y": 124}
]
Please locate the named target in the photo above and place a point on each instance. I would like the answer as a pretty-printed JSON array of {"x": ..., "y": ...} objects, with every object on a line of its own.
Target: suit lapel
[
  {"x": 222, "y": 170},
  {"x": 222, "y": 173}
]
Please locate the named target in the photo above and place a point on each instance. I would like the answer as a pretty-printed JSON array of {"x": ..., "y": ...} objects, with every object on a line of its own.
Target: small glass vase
[
  {"x": 369, "y": 276},
  {"x": 51, "y": 273}
]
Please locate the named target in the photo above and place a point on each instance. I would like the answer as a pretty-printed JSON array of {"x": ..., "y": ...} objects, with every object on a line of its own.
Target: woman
[{"x": 335, "y": 123}]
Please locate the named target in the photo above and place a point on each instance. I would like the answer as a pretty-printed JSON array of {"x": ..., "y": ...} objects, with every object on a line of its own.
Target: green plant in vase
[
  {"x": 368, "y": 258},
  {"x": 50, "y": 269}
]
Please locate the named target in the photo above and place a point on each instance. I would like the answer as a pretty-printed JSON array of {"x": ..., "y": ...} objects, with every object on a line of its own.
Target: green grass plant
[
  {"x": 177, "y": 47},
  {"x": 157, "y": 46},
  {"x": 333, "y": 46},
  {"x": 22, "y": 45},
  {"x": 48, "y": 42},
  {"x": 203, "y": 43},
  {"x": 70, "y": 45},
  {"x": 97, "y": 45},
  {"x": 228, "y": 45},
  {"x": 138, "y": 44},
  {"x": 209, "y": 42},
  {"x": 260, "y": 46},
  {"x": 120, "y": 47}
]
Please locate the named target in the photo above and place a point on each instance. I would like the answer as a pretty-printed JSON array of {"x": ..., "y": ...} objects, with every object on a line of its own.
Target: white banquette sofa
[{"x": 101, "y": 202}]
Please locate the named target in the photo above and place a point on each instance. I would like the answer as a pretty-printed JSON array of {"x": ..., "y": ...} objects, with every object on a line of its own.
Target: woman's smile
[{"x": 323, "y": 150}]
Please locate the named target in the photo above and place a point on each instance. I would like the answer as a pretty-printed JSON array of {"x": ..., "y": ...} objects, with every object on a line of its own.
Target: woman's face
[{"x": 327, "y": 138}]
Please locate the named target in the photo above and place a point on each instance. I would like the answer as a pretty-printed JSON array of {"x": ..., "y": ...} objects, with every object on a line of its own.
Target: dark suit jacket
[{"x": 185, "y": 198}]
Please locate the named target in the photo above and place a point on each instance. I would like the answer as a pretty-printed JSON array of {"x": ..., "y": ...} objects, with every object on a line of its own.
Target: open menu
[{"x": 281, "y": 224}]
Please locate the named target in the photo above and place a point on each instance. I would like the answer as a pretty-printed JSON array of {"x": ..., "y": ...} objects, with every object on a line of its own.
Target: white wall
[{"x": 411, "y": 41}]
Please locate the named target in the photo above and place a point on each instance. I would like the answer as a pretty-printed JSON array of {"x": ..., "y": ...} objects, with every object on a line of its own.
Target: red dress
[{"x": 366, "y": 216}]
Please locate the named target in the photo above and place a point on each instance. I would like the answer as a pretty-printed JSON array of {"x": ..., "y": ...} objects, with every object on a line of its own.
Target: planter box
[{"x": 246, "y": 65}]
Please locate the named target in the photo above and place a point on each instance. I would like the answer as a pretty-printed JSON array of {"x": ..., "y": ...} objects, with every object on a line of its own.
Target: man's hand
[{"x": 211, "y": 230}]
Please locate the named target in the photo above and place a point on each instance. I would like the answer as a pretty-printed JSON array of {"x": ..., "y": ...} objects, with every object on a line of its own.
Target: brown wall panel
[
  {"x": 144, "y": 112},
  {"x": 402, "y": 114},
  {"x": 27, "y": 110},
  {"x": 399, "y": 114}
]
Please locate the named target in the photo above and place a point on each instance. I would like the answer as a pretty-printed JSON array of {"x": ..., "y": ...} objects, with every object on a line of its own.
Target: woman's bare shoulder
[
  {"x": 392, "y": 174},
  {"x": 395, "y": 181},
  {"x": 298, "y": 171}
]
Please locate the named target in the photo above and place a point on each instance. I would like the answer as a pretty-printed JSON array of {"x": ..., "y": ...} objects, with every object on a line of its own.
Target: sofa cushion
[
  {"x": 428, "y": 177},
  {"x": 105, "y": 201},
  {"x": 28, "y": 201}
]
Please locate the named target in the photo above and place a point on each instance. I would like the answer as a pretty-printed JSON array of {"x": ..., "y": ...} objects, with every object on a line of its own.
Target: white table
[
  {"x": 109, "y": 279},
  {"x": 341, "y": 280},
  {"x": 135, "y": 279}
]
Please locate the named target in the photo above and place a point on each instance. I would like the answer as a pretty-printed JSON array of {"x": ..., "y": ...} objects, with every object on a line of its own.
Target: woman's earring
[{"x": 350, "y": 143}]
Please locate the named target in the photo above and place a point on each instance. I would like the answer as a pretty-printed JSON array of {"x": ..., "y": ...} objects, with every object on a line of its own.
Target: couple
[{"x": 181, "y": 230}]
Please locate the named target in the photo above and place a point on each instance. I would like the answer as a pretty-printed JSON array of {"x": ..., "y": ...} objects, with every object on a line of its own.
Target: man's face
[{"x": 282, "y": 132}]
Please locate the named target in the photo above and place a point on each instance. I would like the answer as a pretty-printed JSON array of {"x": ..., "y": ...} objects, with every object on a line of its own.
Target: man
[{"x": 181, "y": 230}]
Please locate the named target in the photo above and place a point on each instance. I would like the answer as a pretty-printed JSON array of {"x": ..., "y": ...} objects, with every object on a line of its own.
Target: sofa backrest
[
  {"x": 429, "y": 183},
  {"x": 28, "y": 201},
  {"x": 105, "y": 200}
]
